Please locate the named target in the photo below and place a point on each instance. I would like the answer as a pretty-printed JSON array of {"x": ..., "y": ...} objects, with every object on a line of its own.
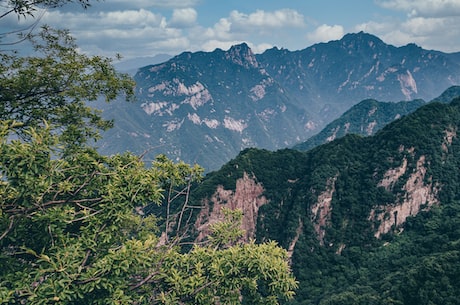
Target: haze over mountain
[
  {"x": 132, "y": 65},
  {"x": 205, "y": 107}
]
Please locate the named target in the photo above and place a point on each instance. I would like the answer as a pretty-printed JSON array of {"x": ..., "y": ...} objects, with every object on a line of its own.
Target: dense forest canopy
[{"x": 325, "y": 200}]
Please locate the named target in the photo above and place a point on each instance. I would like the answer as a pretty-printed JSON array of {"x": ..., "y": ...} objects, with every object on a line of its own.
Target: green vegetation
[
  {"x": 73, "y": 229},
  {"x": 414, "y": 263},
  {"x": 74, "y": 225}
]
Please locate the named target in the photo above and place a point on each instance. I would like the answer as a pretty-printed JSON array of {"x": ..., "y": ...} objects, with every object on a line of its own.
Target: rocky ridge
[{"x": 205, "y": 107}]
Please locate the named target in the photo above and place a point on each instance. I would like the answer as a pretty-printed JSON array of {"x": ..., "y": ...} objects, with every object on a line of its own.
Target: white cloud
[
  {"x": 376, "y": 27},
  {"x": 424, "y": 26},
  {"x": 260, "y": 22},
  {"x": 183, "y": 17},
  {"x": 260, "y": 48},
  {"x": 172, "y": 44},
  {"x": 258, "y": 29},
  {"x": 138, "y": 18},
  {"x": 220, "y": 31},
  {"x": 424, "y": 8},
  {"x": 429, "y": 33},
  {"x": 102, "y": 20},
  {"x": 325, "y": 33},
  {"x": 125, "y": 32},
  {"x": 263, "y": 19}
]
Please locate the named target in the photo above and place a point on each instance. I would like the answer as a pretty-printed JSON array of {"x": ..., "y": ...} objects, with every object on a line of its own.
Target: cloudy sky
[{"x": 137, "y": 28}]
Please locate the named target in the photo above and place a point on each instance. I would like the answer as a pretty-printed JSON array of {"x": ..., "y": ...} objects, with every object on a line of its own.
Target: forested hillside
[{"x": 366, "y": 220}]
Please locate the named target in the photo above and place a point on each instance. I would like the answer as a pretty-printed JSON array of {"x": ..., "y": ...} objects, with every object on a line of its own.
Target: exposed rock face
[
  {"x": 450, "y": 134},
  {"x": 392, "y": 175},
  {"x": 408, "y": 84},
  {"x": 296, "y": 239},
  {"x": 248, "y": 196},
  {"x": 242, "y": 55},
  {"x": 321, "y": 210},
  {"x": 419, "y": 193}
]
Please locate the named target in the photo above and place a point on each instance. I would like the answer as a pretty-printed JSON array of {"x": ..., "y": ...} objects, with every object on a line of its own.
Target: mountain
[
  {"x": 332, "y": 76},
  {"x": 205, "y": 107},
  {"x": 366, "y": 220},
  {"x": 369, "y": 116},
  {"x": 364, "y": 118}
]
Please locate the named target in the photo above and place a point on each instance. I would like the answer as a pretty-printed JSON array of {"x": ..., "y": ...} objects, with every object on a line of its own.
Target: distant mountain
[
  {"x": 331, "y": 77},
  {"x": 369, "y": 116},
  {"x": 364, "y": 118},
  {"x": 206, "y": 107},
  {"x": 365, "y": 220},
  {"x": 448, "y": 95}
]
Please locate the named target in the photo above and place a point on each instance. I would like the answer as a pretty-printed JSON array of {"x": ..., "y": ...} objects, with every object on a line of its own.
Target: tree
[
  {"x": 72, "y": 223},
  {"x": 72, "y": 232},
  {"x": 27, "y": 8},
  {"x": 56, "y": 84}
]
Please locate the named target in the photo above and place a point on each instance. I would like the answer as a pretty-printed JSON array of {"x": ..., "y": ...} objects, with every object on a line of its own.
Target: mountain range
[
  {"x": 366, "y": 202},
  {"x": 205, "y": 107},
  {"x": 365, "y": 219}
]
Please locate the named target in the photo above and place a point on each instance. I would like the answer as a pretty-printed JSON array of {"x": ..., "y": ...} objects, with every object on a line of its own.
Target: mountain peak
[
  {"x": 361, "y": 36},
  {"x": 242, "y": 54},
  {"x": 361, "y": 39}
]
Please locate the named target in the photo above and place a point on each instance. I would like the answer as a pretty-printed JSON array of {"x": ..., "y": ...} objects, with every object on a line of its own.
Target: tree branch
[
  {"x": 10, "y": 226},
  {"x": 145, "y": 280}
]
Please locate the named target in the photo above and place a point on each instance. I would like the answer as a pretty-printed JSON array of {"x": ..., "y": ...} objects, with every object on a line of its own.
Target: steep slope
[
  {"x": 206, "y": 107},
  {"x": 342, "y": 210}
]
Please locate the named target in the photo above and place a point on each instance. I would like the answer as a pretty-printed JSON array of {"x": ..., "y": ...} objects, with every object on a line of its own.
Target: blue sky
[{"x": 137, "y": 28}]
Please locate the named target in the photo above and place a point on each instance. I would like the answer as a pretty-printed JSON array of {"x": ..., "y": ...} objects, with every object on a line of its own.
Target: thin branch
[
  {"x": 84, "y": 217},
  {"x": 187, "y": 194},
  {"x": 50, "y": 203},
  {"x": 51, "y": 235},
  {"x": 92, "y": 279},
  {"x": 197, "y": 290},
  {"x": 83, "y": 263},
  {"x": 145, "y": 280},
  {"x": 168, "y": 206},
  {"x": 84, "y": 207},
  {"x": 10, "y": 226},
  {"x": 29, "y": 28}
]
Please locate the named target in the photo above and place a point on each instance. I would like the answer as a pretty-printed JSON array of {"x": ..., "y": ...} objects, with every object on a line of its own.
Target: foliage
[
  {"x": 73, "y": 233},
  {"x": 73, "y": 226},
  {"x": 56, "y": 84},
  {"x": 27, "y": 8}
]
